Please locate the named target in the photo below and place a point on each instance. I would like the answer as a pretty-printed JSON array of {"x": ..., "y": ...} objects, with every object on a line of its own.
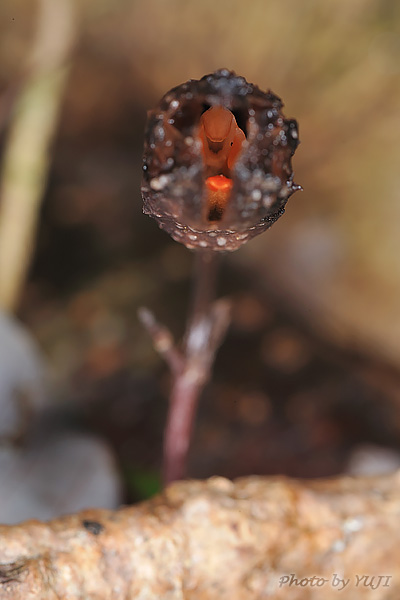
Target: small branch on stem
[
  {"x": 162, "y": 340},
  {"x": 191, "y": 367}
]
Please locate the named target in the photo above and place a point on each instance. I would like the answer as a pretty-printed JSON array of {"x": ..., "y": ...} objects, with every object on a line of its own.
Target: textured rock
[{"x": 216, "y": 539}]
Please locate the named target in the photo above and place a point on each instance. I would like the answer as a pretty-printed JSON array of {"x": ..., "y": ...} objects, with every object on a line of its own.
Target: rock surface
[{"x": 217, "y": 539}]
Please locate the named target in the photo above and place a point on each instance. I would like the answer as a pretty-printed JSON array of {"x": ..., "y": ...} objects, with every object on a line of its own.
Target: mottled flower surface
[{"x": 217, "y": 162}]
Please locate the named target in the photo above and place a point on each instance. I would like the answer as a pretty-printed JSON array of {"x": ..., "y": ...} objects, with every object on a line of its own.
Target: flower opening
[{"x": 217, "y": 161}]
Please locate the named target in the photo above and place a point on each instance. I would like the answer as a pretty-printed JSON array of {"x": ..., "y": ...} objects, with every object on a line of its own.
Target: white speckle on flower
[
  {"x": 221, "y": 241},
  {"x": 159, "y": 183},
  {"x": 267, "y": 201},
  {"x": 256, "y": 195}
]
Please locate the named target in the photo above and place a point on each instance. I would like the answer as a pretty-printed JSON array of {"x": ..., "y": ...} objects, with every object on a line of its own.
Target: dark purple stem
[
  {"x": 200, "y": 344},
  {"x": 191, "y": 366}
]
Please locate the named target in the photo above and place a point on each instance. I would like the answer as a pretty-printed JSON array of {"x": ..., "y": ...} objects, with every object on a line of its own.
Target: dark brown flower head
[{"x": 217, "y": 161}]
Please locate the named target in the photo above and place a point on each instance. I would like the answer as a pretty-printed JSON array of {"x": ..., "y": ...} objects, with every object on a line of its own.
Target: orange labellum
[
  {"x": 219, "y": 183},
  {"x": 218, "y": 193}
]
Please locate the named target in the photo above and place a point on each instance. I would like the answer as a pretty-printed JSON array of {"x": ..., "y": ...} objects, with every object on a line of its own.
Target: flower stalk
[{"x": 216, "y": 172}]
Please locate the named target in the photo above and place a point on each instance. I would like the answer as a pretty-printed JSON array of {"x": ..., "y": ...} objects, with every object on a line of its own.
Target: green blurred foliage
[{"x": 142, "y": 483}]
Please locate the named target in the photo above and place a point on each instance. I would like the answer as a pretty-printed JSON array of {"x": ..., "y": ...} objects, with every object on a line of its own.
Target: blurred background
[{"x": 307, "y": 381}]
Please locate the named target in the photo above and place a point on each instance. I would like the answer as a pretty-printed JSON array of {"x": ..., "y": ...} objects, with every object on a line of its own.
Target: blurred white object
[
  {"x": 53, "y": 472},
  {"x": 368, "y": 460},
  {"x": 21, "y": 377},
  {"x": 67, "y": 473}
]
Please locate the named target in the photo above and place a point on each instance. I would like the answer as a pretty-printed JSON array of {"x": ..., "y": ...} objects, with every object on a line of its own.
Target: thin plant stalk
[
  {"x": 190, "y": 380},
  {"x": 190, "y": 366}
]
